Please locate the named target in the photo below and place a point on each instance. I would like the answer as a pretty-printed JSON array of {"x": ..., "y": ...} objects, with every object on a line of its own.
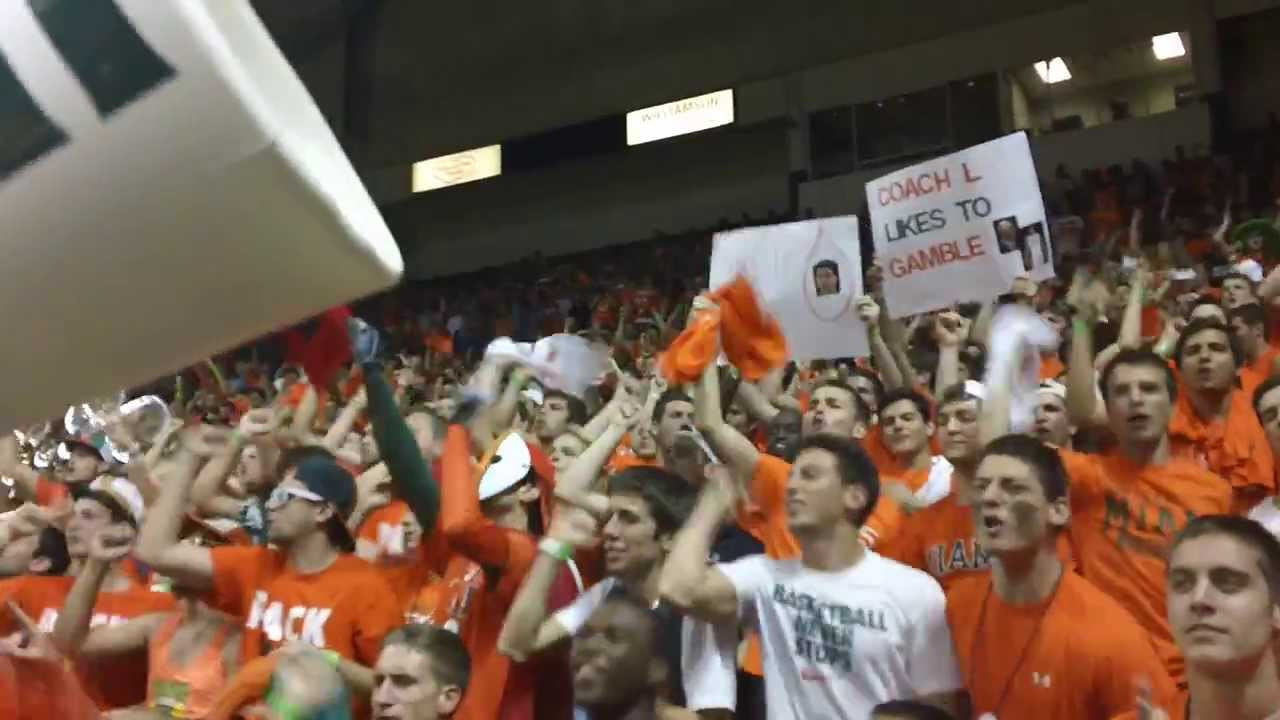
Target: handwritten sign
[
  {"x": 960, "y": 227},
  {"x": 807, "y": 275}
]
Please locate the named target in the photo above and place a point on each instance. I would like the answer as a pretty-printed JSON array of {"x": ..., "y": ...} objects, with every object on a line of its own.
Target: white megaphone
[{"x": 168, "y": 189}]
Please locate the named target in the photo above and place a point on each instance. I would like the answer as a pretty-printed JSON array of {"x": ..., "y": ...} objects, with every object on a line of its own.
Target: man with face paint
[
  {"x": 942, "y": 538},
  {"x": 1213, "y": 421},
  {"x": 1224, "y": 608},
  {"x": 1018, "y": 630}
]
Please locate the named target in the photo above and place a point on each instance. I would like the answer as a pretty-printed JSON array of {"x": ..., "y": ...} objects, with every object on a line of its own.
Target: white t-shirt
[
  {"x": 837, "y": 644},
  {"x": 1267, "y": 515},
  {"x": 708, "y": 653}
]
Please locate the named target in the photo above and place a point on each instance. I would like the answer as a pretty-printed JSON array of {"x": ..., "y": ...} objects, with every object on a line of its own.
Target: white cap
[
  {"x": 124, "y": 493},
  {"x": 508, "y": 465},
  {"x": 1053, "y": 387}
]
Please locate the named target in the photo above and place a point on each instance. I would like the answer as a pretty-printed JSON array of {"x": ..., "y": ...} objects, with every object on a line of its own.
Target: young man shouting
[
  {"x": 808, "y": 609},
  {"x": 1019, "y": 629}
]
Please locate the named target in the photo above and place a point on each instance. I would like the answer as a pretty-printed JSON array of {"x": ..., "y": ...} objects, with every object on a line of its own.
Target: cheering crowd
[{"x": 350, "y": 521}]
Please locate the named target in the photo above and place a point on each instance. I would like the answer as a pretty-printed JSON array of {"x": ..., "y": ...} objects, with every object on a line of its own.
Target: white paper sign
[
  {"x": 960, "y": 227},
  {"x": 168, "y": 189},
  {"x": 807, "y": 275}
]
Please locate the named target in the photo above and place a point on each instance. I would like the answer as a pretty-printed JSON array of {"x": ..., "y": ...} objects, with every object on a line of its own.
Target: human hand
[
  {"x": 111, "y": 543},
  {"x": 868, "y": 311}
]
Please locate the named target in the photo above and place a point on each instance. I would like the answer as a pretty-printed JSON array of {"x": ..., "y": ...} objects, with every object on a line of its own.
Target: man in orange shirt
[
  {"x": 1213, "y": 421},
  {"x": 906, "y": 424},
  {"x": 1249, "y": 325},
  {"x": 309, "y": 588},
  {"x": 1224, "y": 607},
  {"x": 1018, "y": 629},
  {"x": 106, "y": 502},
  {"x": 941, "y": 539},
  {"x": 1128, "y": 505}
]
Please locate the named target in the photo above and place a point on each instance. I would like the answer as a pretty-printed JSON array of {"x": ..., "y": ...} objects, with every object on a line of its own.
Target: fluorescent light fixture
[
  {"x": 1168, "y": 46},
  {"x": 1053, "y": 71},
  {"x": 680, "y": 117},
  {"x": 458, "y": 168}
]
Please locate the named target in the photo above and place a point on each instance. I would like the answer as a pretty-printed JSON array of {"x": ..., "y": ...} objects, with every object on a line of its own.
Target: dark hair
[
  {"x": 862, "y": 413},
  {"x": 1252, "y": 315},
  {"x": 1265, "y": 387},
  {"x": 670, "y": 497},
  {"x": 668, "y": 397},
  {"x": 119, "y": 513},
  {"x": 854, "y": 465},
  {"x": 449, "y": 660},
  {"x": 897, "y": 395},
  {"x": 828, "y": 264},
  {"x": 911, "y": 709},
  {"x": 876, "y": 383},
  {"x": 1138, "y": 357},
  {"x": 577, "y": 408},
  {"x": 1041, "y": 458},
  {"x": 1196, "y": 327},
  {"x": 1246, "y": 531},
  {"x": 954, "y": 394},
  {"x": 52, "y": 546}
]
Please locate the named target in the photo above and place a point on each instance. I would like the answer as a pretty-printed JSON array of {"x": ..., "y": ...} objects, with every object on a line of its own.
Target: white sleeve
[
  {"x": 748, "y": 575},
  {"x": 708, "y": 664},
  {"x": 930, "y": 654},
  {"x": 574, "y": 615}
]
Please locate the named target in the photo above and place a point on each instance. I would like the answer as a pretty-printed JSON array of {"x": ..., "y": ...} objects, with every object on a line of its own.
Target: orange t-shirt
[
  {"x": 504, "y": 553},
  {"x": 347, "y": 607},
  {"x": 117, "y": 682},
  {"x": 1075, "y": 655},
  {"x": 941, "y": 540},
  {"x": 50, "y": 493},
  {"x": 1051, "y": 366},
  {"x": 384, "y": 528},
  {"x": 1235, "y": 448},
  {"x": 766, "y": 518},
  {"x": 1256, "y": 372},
  {"x": 1123, "y": 518}
]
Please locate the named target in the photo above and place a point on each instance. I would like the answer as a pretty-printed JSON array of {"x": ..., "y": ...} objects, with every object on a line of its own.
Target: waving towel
[{"x": 752, "y": 340}]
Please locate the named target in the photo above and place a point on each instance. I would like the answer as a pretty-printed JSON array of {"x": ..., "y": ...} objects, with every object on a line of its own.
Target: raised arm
[
  {"x": 410, "y": 474},
  {"x": 687, "y": 582},
  {"x": 71, "y": 634},
  {"x": 890, "y": 373},
  {"x": 949, "y": 330},
  {"x": 1081, "y": 386},
  {"x": 158, "y": 541},
  {"x": 1131, "y": 325},
  {"x": 728, "y": 443},
  {"x": 345, "y": 421}
]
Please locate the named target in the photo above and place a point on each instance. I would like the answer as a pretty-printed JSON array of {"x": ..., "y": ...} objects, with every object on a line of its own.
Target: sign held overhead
[{"x": 960, "y": 227}]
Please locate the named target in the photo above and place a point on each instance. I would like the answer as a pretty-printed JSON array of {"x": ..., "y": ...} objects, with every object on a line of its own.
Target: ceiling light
[
  {"x": 1053, "y": 71},
  {"x": 1168, "y": 46}
]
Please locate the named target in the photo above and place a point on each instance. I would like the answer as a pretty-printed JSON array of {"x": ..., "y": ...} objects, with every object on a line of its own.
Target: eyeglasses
[{"x": 282, "y": 494}]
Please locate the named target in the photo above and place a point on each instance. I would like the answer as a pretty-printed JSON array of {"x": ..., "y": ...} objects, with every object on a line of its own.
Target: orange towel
[
  {"x": 1235, "y": 449},
  {"x": 752, "y": 340}
]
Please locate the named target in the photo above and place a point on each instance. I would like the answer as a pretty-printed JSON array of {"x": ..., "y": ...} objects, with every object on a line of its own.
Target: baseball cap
[
  {"x": 119, "y": 494},
  {"x": 326, "y": 478},
  {"x": 86, "y": 441}
]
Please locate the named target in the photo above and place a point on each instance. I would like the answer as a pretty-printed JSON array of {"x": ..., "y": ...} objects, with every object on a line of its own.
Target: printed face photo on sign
[
  {"x": 1034, "y": 244},
  {"x": 826, "y": 278},
  {"x": 1006, "y": 234}
]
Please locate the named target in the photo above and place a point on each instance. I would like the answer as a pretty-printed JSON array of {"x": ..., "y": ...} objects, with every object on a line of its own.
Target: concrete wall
[
  {"x": 1149, "y": 138},
  {"x": 1146, "y": 96},
  {"x": 669, "y": 187}
]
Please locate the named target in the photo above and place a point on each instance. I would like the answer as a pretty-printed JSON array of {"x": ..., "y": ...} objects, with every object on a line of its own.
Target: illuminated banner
[
  {"x": 458, "y": 168},
  {"x": 680, "y": 117},
  {"x": 168, "y": 189},
  {"x": 960, "y": 227}
]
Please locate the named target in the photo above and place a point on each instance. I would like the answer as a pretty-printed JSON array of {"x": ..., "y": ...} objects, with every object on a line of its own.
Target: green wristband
[
  {"x": 558, "y": 549},
  {"x": 1080, "y": 325}
]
